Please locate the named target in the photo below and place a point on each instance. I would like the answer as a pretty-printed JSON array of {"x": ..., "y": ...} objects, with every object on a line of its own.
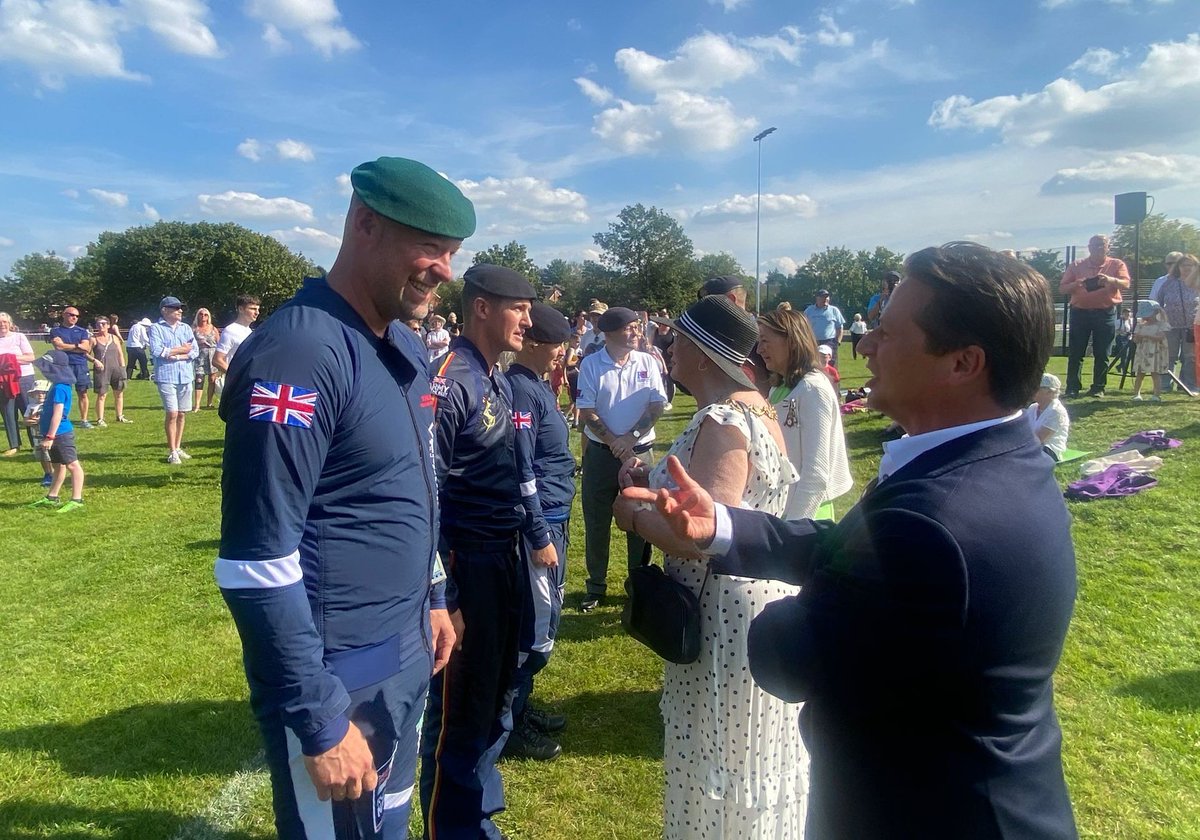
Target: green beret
[{"x": 412, "y": 194}]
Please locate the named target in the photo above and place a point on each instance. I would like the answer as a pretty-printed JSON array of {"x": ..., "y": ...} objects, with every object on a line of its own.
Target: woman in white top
[
  {"x": 1048, "y": 417},
  {"x": 13, "y": 406},
  {"x": 858, "y": 328},
  {"x": 437, "y": 340},
  {"x": 809, "y": 412}
]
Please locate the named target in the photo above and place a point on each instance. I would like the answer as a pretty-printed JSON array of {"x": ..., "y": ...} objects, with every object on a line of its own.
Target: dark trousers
[
  {"x": 137, "y": 358},
  {"x": 13, "y": 409},
  {"x": 599, "y": 489},
  {"x": 388, "y": 713},
  {"x": 543, "y": 598},
  {"x": 468, "y": 715},
  {"x": 1179, "y": 349},
  {"x": 1100, "y": 325},
  {"x": 854, "y": 339}
]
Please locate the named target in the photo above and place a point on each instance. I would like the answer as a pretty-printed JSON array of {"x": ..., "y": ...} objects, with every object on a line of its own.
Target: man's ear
[{"x": 969, "y": 363}]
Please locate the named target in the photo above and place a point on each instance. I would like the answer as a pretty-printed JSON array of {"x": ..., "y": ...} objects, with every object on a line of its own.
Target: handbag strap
[{"x": 647, "y": 553}]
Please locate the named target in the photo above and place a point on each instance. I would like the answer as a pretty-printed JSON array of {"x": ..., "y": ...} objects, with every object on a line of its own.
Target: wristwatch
[{"x": 636, "y": 434}]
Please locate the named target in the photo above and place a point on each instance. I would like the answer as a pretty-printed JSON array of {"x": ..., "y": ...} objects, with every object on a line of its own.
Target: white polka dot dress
[{"x": 736, "y": 768}]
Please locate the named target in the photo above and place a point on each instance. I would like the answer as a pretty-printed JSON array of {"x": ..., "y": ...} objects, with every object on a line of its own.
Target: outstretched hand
[{"x": 688, "y": 510}]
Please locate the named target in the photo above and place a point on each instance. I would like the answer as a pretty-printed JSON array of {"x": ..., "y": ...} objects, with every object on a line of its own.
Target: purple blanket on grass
[
  {"x": 1115, "y": 482},
  {"x": 1154, "y": 439}
]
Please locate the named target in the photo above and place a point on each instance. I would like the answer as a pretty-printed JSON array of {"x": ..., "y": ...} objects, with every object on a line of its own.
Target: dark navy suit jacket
[{"x": 923, "y": 643}]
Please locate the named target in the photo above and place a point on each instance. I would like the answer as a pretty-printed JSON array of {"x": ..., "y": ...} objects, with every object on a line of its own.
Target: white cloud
[
  {"x": 525, "y": 200},
  {"x": 829, "y": 35},
  {"x": 1155, "y": 102},
  {"x": 63, "y": 38},
  {"x": 246, "y": 205},
  {"x": 76, "y": 250},
  {"x": 309, "y": 237},
  {"x": 773, "y": 205},
  {"x": 598, "y": 94},
  {"x": 5, "y": 242},
  {"x": 987, "y": 237},
  {"x": 1132, "y": 170},
  {"x": 574, "y": 25},
  {"x": 703, "y": 62},
  {"x": 785, "y": 264},
  {"x": 178, "y": 23},
  {"x": 276, "y": 43},
  {"x": 150, "y": 213},
  {"x": 675, "y": 120},
  {"x": 294, "y": 150},
  {"x": 728, "y": 5},
  {"x": 1098, "y": 61},
  {"x": 785, "y": 44},
  {"x": 70, "y": 193},
  {"x": 112, "y": 199},
  {"x": 250, "y": 149},
  {"x": 343, "y": 184},
  {"x": 317, "y": 21}
]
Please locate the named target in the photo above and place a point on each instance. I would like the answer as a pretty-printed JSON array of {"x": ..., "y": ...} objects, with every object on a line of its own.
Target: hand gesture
[
  {"x": 688, "y": 510},
  {"x": 344, "y": 771},
  {"x": 634, "y": 473}
]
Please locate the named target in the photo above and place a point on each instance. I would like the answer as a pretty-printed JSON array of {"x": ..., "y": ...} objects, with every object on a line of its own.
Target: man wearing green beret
[{"x": 329, "y": 512}]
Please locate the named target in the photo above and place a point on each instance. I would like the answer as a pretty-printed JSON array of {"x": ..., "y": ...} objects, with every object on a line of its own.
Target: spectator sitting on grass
[
  {"x": 33, "y": 417},
  {"x": 1048, "y": 417},
  {"x": 58, "y": 435}
]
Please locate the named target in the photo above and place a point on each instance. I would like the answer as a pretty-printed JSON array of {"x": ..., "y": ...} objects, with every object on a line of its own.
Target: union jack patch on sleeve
[
  {"x": 278, "y": 402},
  {"x": 523, "y": 419}
]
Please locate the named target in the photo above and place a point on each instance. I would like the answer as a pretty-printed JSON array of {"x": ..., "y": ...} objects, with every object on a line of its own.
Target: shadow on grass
[
  {"x": 1177, "y": 691},
  {"x": 27, "y": 818},
  {"x": 613, "y": 723},
  {"x": 575, "y": 626},
  {"x": 203, "y": 545},
  {"x": 154, "y": 739}
]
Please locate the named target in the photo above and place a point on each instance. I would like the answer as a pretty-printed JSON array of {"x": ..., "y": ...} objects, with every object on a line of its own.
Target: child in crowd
[
  {"x": 830, "y": 370},
  {"x": 58, "y": 435},
  {"x": 33, "y": 418},
  {"x": 1048, "y": 417},
  {"x": 1151, "y": 357}
]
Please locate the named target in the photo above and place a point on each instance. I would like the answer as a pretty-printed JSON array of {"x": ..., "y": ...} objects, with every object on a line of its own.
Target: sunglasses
[{"x": 71, "y": 314}]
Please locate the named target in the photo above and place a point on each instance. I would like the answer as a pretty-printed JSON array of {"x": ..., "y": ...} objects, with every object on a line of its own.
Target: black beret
[
  {"x": 412, "y": 194},
  {"x": 720, "y": 285},
  {"x": 549, "y": 325},
  {"x": 499, "y": 281},
  {"x": 615, "y": 319}
]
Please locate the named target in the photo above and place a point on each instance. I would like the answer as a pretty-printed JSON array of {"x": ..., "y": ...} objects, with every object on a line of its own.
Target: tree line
[{"x": 646, "y": 261}]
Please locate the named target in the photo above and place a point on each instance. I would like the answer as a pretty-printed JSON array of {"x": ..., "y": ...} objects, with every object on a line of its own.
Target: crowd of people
[{"x": 397, "y": 490}]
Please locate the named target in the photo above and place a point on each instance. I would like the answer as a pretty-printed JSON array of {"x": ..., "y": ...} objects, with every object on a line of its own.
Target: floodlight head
[{"x": 763, "y": 134}]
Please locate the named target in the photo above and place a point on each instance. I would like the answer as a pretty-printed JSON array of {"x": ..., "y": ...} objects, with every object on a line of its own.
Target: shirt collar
[{"x": 898, "y": 453}]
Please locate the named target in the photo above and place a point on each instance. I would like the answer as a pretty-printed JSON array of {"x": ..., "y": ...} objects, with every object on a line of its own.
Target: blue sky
[{"x": 900, "y": 122}]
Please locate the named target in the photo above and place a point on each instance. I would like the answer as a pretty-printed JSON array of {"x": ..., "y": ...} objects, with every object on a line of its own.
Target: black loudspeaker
[{"x": 1129, "y": 208}]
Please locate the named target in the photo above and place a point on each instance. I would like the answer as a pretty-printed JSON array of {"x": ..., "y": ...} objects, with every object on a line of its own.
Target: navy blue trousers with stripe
[
  {"x": 469, "y": 713},
  {"x": 543, "y": 597},
  {"x": 389, "y": 713}
]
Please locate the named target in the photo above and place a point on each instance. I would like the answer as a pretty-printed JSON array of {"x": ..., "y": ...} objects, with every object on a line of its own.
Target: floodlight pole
[{"x": 758, "y": 138}]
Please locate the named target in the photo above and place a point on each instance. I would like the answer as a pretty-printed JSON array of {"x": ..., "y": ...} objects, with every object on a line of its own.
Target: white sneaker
[
  {"x": 1137, "y": 398},
  {"x": 101, "y": 424},
  {"x": 183, "y": 455},
  {"x": 123, "y": 419},
  {"x": 667, "y": 406},
  {"x": 173, "y": 458}
]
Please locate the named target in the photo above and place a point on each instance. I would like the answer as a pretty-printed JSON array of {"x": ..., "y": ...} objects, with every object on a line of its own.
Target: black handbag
[{"x": 661, "y": 613}]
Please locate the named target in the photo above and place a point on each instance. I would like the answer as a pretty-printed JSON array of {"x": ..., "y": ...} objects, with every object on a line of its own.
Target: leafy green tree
[
  {"x": 1048, "y": 263},
  {"x": 513, "y": 255},
  {"x": 838, "y": 270},
  {"x": 201, "y": 263},
  {"x": 39, "y": 285},
  {"x": 1160, "y": 236},
  {"x": 450, "y": 299},
  {"x": 654, "y": 258},
  {"x": 567, "y": 276}
]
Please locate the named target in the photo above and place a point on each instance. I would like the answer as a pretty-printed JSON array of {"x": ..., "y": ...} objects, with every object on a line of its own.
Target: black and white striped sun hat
[{"x": 722, "y": 330}]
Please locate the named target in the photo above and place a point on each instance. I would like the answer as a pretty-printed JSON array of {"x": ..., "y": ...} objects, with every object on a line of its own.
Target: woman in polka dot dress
[{"x": 736, "y": 768}]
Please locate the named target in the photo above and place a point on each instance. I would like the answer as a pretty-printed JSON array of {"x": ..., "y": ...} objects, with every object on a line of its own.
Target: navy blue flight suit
[
  {"x": 467, "y": 718},
  {"x": 329, "y": 507},
  {"x": 547, "y": 473}
]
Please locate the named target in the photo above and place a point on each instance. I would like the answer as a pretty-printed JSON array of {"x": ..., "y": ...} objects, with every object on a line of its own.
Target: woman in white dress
[
  {"x": 809, "y": 412},
  {"x": 736, "y": 768}
]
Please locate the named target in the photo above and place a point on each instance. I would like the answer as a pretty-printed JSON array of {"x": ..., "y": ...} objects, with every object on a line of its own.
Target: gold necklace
[{"x": 767, "y": 411}]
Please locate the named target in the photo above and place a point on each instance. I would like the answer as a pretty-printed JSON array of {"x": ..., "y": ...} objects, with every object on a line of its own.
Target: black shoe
[
  {"x": 1095, "y": 392},
  {"x": 527, "y": 742},
  {"x": 590, "y": 602},
  {"x": 1070, "y": 394},
  {"x": 544, "y": 719}
]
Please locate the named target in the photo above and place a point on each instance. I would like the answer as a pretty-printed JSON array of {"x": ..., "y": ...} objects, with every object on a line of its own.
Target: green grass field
[{"x": 123, "y": 706}]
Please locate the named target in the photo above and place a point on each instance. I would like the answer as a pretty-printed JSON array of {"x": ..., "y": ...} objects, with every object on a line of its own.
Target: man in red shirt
[{"x": 1095, "y": 284}]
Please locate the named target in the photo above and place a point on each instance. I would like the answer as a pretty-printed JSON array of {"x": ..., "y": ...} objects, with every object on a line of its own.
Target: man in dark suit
[{"x": 933, "y": 615}]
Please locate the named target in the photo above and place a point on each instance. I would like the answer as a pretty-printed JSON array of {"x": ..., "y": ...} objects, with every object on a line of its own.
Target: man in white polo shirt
[{"x": 621, "y": 396}]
